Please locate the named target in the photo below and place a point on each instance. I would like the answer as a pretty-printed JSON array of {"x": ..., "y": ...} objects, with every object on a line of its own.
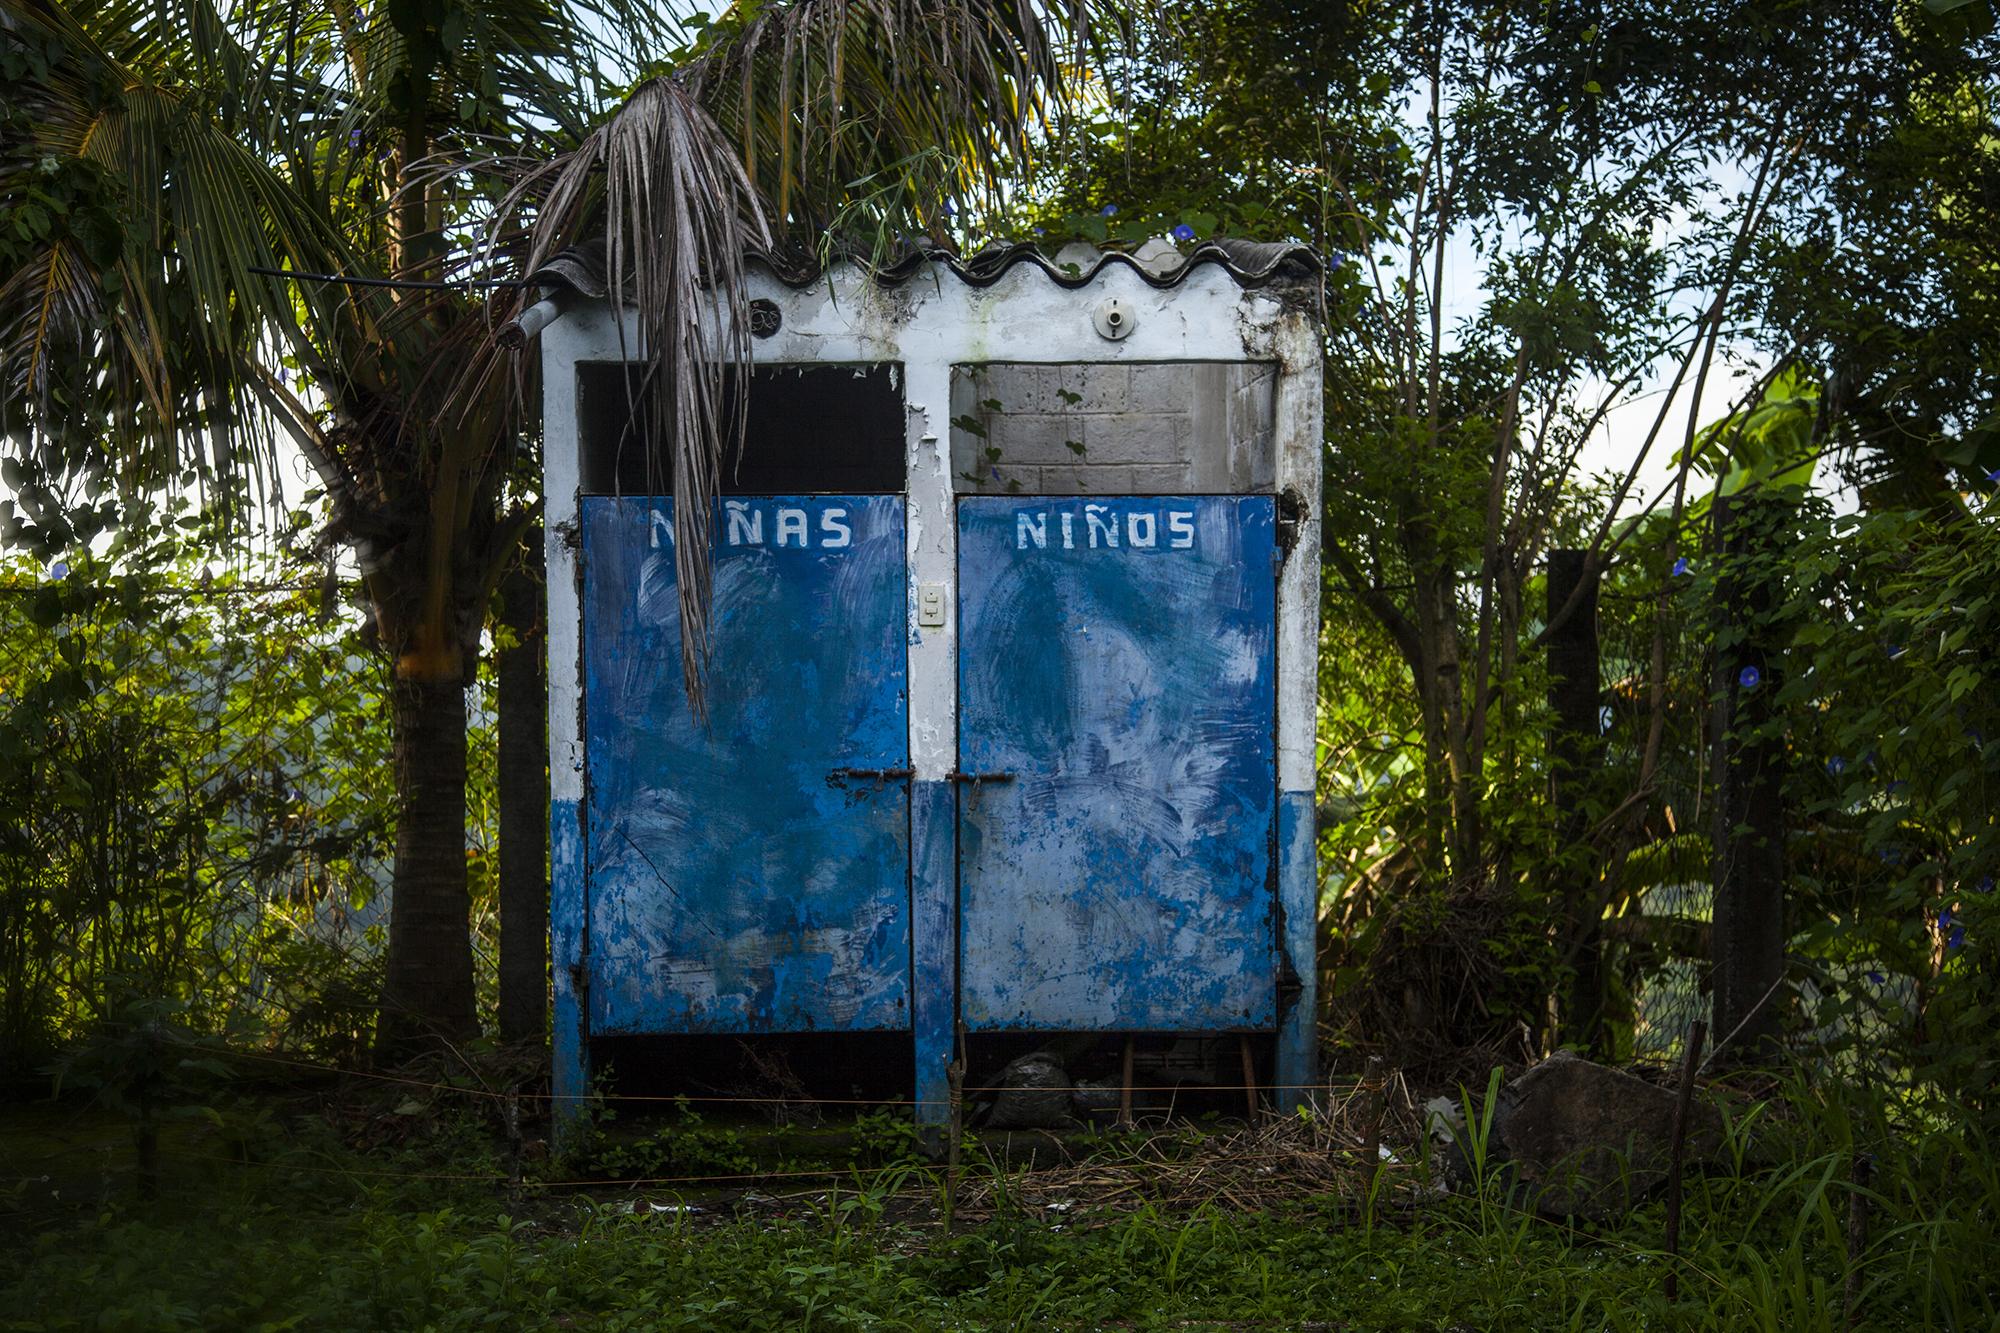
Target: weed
[
  {"x": 886, "y": 1139},
  {"x": 686, "y": 1146},
  {"x": 304, "y": 1238}
]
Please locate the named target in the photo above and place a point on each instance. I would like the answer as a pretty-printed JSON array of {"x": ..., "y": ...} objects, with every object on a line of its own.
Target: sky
[{"x": 1622, "y": 434}]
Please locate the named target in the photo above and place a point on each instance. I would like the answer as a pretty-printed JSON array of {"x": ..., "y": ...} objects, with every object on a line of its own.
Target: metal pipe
[{"x": 525, "y": 327}]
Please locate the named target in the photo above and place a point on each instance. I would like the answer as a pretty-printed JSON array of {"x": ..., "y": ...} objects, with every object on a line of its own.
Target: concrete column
[
  {"x": 568, "y": 945},
  {"x": 1299, "y": 460},
  {"x": 932, "y": 532}
]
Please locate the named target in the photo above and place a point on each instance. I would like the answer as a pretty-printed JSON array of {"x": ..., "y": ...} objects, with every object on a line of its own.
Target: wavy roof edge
[{"x": 583, "y": 269}]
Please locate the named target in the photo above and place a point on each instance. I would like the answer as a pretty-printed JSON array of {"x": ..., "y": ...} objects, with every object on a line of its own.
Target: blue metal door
[
  {"x": 1117, "y": 706},
  {"x": 740, "y": 879}
]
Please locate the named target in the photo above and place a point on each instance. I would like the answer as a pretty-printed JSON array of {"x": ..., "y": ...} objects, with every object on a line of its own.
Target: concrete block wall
[{"x": 1096, "y": 429}]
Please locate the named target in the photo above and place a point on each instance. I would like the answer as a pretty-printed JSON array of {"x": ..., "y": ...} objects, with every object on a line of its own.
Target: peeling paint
[
  {"x": 1119, "y": 879},
  {"x": 570, "y": 1081},
  {"x": 934, "y": 954},
  {"x": 736, "y": 883},
  {"x": 1298, "y": 900}
]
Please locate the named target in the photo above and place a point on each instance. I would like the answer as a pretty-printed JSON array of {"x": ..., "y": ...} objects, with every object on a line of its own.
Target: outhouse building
[{"x": 1009, "y": 723}]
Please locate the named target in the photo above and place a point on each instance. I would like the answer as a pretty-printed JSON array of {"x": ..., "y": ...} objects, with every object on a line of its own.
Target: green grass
[
  {"x": 302, "y": 1239},
  {"x": 263, "y": 1263}
]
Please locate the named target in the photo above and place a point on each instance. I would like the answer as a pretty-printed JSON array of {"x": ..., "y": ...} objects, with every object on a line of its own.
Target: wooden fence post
[
  {"x": 1857, "y": 1238},
  {"x": 1748, "y": 752},
  {"x": 1677, "y": 1152},
  {"x": 1576, "y": 756}
]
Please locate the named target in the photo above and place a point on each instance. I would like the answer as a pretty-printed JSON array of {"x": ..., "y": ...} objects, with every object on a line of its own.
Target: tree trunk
[
  {"x": 427, "y": 991},
  {"x": 523, "y": 781},
  {"x": 1443, "y": 696},
  {"x": 1576, "y": 761},
  {"x": 1749, "y": 764}
]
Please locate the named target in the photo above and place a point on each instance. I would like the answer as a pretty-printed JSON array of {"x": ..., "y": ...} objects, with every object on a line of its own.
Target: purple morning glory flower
[
  {"x": 59, "y": 570},
  {"x": 1749, "y": 677},
  {"x": 1836, "y": 766},
  {"x": 354, "y": 138},
  {"x": 1957, "y": 938},
  {"x": 950, "y": 209},
  {"x": 1944, "y": 919},
  {"x": 1895, "y": 785},
  {"x": 1895, "y": 650},
  {"x": 1994, "y": 475},
  {"x": 1985, "y": 885},
  {"x": 1183, "y": 233},
  {"x": 1875, "y": 978},
  {"x": 1109, "y": 211},
  {"x": 1680, "y": 566}
]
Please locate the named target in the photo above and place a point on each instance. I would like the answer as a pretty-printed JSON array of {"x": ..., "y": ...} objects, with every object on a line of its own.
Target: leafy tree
[
  {"x": 176, "y": 156},
  {"x": 194, "y": 812},
  {"x": 1884, "y": 275},
  {"x": 1889, "y": 705},
  {"x": 1618, "y": 189}
]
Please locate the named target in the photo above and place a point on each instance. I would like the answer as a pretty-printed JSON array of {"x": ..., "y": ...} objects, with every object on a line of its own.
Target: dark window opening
[
  {"x": 1190, "y": 1075},
  {"x": 783, "y": 1075},
  {"x": 831, "y": 429}
]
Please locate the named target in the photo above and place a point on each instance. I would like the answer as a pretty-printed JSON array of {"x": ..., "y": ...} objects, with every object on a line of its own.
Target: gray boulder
[
  {"x": 1034, "y": 1093},
  {"x": 1090, "y": 1097},
  {"x": 1587, "y": 1141}
]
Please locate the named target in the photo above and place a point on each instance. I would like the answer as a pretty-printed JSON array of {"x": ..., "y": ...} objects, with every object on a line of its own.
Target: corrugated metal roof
[{"x": 1161, "y": 264}]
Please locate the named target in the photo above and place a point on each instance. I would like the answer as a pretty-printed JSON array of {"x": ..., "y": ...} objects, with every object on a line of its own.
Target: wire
[
  {"x": 398, "y": 284},
  {"x": 624, "y": 1182},
  {"x": 433, "y": 1086}
]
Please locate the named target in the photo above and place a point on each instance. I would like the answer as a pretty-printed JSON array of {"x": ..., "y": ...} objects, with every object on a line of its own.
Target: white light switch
[{"x": 930, "y": 606}]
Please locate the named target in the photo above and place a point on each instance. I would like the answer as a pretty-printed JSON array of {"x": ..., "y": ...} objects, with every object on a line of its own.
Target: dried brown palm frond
[
  {"x": 783, "y": 123},
  {"x": 677, "y": 214}
]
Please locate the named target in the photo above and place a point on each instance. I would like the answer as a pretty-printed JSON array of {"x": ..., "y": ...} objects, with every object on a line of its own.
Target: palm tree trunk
[
  {"x": 523, "y": 781},
  {"x": 427, "y": 991}
]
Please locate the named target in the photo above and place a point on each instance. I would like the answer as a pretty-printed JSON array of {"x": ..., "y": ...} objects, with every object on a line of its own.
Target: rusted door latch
[
  {"x": 976, "y": 778},
  {"x": 840, "y": 775}
]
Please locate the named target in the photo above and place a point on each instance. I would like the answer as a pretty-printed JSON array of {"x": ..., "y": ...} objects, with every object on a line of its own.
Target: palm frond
[
  {"x": 208, "y": 212},
  {"x": 800, "y": 115},
  {"x": 678, "y": 213},
  {"x": 824, "y": 93}
]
